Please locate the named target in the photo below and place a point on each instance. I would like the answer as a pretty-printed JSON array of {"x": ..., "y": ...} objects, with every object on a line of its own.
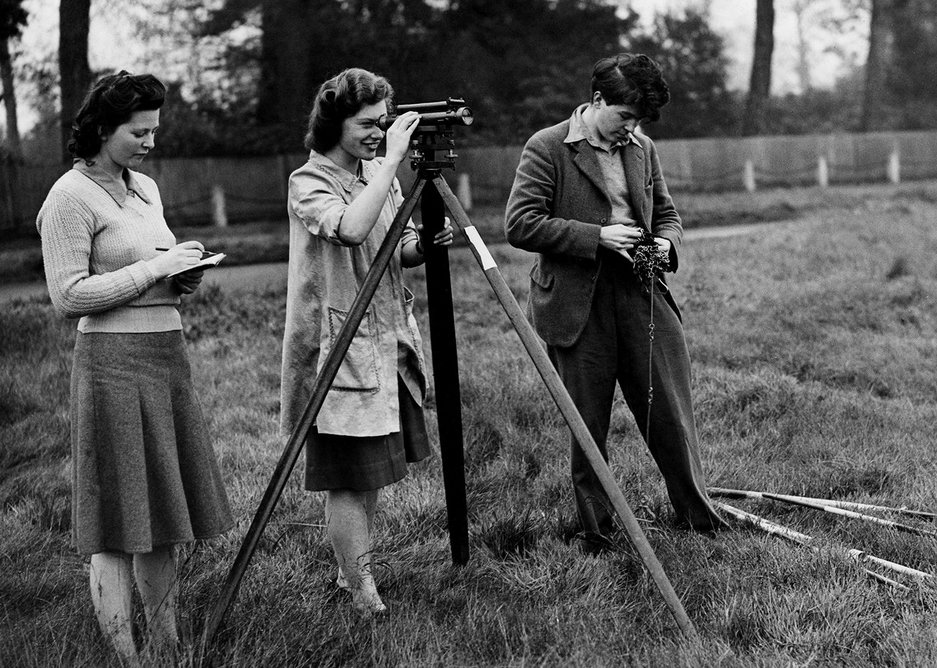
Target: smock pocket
[
  {"x": 411, "y": 353},
  {"x": 416, "y": 340},
  {"x": 540, "y": 278},
  {"x": 360, "y": 368}
]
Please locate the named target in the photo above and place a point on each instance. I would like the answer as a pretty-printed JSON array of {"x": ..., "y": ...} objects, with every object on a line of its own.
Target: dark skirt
[
  {"x": 143, "y": 471},
  {"x": 365, "y": 463}
]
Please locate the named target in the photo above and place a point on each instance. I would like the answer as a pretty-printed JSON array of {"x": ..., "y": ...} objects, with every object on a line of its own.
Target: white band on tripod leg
[{"x": 475, "y": 239}]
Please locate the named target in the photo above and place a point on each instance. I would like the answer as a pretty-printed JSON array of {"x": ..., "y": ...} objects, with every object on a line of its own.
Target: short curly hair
[
  {"x": 110, "y": 103},
  {"x": 633, "y": 79},
  {"x": 342, "y": 97}
]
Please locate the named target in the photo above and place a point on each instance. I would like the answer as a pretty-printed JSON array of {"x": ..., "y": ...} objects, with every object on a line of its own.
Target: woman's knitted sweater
[{"x": 97, "y": 235}]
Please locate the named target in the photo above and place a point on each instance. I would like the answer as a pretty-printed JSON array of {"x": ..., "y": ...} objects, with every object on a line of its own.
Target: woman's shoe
[
  {"x": 367, "y": 602},
  {"x": 364, "y": 598},
  {"x": 341, "y": 581}
]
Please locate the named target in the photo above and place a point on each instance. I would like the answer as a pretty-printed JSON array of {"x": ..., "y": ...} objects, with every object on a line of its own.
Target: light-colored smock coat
[{"x": 324, "y": 277}]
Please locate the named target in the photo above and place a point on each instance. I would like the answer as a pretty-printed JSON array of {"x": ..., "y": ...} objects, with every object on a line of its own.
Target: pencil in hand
[{"x": 204, "y": 253}]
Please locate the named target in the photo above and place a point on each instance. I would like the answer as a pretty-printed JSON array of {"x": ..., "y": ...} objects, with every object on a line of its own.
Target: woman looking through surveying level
[
  {"x": 144, "y": 474},
  {"x": 341, "y": 205}
]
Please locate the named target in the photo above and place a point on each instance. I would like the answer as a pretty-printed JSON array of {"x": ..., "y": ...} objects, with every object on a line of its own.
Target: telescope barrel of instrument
[
  {"x": 450, "y": 112},
  {"x": 423, "y": 106},
  {"x": 461, "y": 115}
]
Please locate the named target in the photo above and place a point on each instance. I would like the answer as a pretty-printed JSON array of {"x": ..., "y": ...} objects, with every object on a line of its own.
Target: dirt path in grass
[
  {"x": 258, "y": 277},
  {"x": 272, "y": 275}
]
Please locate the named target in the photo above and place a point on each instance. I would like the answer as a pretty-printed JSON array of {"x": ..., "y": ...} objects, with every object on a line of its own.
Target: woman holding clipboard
[{"x": 144, "y": 476}]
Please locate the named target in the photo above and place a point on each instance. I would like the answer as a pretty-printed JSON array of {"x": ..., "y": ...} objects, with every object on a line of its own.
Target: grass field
[{"x": 814, "y": 373}]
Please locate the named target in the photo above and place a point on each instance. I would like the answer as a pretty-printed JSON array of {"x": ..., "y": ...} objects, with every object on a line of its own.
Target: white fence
[
  {"x": 733, "y": 164},
  {"x": 202, "y": 190}
]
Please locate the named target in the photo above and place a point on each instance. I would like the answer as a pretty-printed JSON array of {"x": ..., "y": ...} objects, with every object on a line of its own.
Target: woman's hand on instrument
[
  {"x": 443, "y": 237},
  {"x": 398, "y": 135}
]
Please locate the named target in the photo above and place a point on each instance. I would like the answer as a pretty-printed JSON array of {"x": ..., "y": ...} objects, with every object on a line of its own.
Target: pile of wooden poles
[{"x": 859, "y": 511}]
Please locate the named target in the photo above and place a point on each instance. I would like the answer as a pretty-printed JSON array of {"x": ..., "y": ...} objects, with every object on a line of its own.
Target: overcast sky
[{"x": 734, "y": 20}]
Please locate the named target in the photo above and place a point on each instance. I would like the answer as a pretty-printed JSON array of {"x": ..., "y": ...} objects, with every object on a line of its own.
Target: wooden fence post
[
  {"x": 823, "y": 172},
  {"x": 464, "y": 191},
  {"x": 748, "y": 176},
  {"x": 219, "y": 212},
  {"x": 894, "y": 166}
]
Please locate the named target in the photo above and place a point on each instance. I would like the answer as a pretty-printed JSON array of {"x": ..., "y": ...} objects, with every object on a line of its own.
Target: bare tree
[
  {"x": 12, "y": 20},
  {"x": 74, "y": 71},
  {"x": 801, "y": 9},
  {"x": 759, "y": 88},
  {"x": 881, "y": 52}
]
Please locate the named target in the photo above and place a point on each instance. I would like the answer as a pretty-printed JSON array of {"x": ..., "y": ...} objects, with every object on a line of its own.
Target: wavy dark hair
[
  {"x": 633, "y": 79},
  {"x": 109, "y": 103},
  {"x": 342, "y": 97}
]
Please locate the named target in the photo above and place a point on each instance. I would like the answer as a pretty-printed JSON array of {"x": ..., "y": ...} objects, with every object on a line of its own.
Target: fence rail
[{"x": 202, "y": 190}]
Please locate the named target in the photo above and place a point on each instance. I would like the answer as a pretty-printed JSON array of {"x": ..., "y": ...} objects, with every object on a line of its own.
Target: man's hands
[
  {"x": 619, "y": 238},
  {"x": 623, "y": 238}
]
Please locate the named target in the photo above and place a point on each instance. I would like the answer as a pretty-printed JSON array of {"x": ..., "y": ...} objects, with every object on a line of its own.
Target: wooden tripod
[{"x": 437, "y": 197}]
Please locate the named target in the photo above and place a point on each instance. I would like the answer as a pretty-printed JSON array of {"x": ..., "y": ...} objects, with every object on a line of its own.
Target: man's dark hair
[
  {"x": 109, "y": 103},
  {"x": 633, "y": 79},
  {"x": 339, "y": 98}
]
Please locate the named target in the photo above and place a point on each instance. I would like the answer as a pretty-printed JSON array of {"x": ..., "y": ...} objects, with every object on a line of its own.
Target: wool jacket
[{"x": 556, "y": 208}]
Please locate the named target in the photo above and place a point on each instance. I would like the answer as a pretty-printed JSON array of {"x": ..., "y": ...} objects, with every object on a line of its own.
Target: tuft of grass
[{"x": 511, "y": 535}]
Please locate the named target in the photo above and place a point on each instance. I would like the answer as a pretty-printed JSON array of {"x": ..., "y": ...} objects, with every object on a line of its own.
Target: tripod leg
[
  {"x": 568, "y": 409},
  {"x": 298, "y": 438},
  {"x": 445, "y": 374}
]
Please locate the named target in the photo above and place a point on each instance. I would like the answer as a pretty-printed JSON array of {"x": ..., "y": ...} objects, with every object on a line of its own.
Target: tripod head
[{"x": 434, "y": 132}]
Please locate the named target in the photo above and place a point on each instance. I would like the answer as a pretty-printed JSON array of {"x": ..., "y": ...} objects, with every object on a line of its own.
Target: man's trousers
[{"x": 614, "y": 347}]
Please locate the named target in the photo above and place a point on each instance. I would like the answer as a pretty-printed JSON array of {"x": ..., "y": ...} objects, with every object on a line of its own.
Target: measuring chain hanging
[{"x": 649, "y": 265}]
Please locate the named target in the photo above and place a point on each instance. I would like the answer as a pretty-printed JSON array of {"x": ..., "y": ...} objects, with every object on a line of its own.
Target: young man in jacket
[{"x": 585, "y": 193}]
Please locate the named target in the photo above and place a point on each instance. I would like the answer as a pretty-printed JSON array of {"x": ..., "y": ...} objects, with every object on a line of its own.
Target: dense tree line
[
  {"x": 521, "y": 65},
  {"x": 518, "y": 64}
]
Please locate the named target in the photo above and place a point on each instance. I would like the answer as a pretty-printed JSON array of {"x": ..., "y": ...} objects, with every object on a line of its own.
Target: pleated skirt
[{"x": 144, "y": 474}]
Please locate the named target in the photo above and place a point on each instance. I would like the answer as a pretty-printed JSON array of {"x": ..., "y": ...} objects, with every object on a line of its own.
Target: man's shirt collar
[{"x": 579, "y": 130}]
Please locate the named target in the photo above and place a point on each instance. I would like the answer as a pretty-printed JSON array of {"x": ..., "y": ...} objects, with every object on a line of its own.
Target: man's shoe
[{"x": 594, "y": 544}]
